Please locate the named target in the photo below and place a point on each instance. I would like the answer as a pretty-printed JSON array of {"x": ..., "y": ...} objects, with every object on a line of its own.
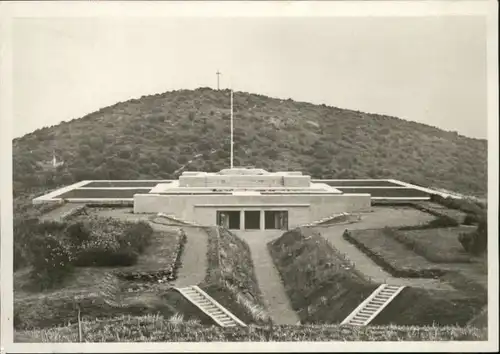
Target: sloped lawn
[
  {"x": 322, "y": 286},
  {"x": 439, "y": 245},
  {"x": 230, "y": 277},
  {"x": 391, "y": 255}
]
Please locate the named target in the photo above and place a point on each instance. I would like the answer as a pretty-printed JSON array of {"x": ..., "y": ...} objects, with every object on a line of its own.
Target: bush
[
  {"x": 441, "y": 221},
  {"x": 471, "y": 219},
  {"x": 106, "y": 257},
  {"x": 137, "y": 236},
  {"x": 475, "y": 242},
  {"x": 108, "y": 242},
  {"x": 51, "y": 260},
  {"x": 78, "y": 233}
]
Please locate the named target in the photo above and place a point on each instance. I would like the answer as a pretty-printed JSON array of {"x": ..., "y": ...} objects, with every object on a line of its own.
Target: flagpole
[{"x": 231, "y": 128}]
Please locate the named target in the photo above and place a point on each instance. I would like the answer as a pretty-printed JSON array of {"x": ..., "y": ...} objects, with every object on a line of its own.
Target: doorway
[
  {"x": 229, "y": 219},
  {"x": 276, "y": 220},
  {"x": 252, "y": 219}
]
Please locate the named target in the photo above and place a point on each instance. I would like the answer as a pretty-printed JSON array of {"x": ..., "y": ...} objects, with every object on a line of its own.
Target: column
[
  {"x": 262, "y": 220},
  {"x": 242, "y": 220}
]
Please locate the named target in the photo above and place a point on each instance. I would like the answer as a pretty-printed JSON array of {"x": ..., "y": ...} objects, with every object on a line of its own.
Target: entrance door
[
  {"x": 276, "y": 220},
  {"x": 229, "y": 219},
  {"x": 252, "y": 219}
]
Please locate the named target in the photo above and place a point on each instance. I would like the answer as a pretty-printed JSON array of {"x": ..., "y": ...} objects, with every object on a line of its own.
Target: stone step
[
  {"x": 209, "y": 306},
  {"x": 365, "y": 312}
]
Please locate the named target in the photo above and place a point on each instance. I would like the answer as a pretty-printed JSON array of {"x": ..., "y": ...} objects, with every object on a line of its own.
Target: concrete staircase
[
  {"x": 373, "y": 305},
  {"x": 220, "y": 315}
]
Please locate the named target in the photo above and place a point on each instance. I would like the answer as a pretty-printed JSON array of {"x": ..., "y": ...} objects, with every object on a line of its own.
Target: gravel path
[
  {"x": 268, "y": 276},
  {"x": 194, "y": 259}
]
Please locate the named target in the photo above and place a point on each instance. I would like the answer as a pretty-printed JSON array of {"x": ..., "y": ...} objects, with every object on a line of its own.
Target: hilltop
[{"x": 154, "y": 136}]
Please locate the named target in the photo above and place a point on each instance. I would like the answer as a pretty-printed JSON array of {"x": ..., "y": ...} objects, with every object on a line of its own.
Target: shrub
[
  {"x": 106, "y": 257},
  {"x": 51, "y": 259},
  {"x": 441, "y": 221},
  {"x": 475, "y": 242},
  {"x": 471, "y": 219},
  {"x": 137, "y": 236},
  {"x": 78, "y": 233},
  {"x": 107, "y": 242}
]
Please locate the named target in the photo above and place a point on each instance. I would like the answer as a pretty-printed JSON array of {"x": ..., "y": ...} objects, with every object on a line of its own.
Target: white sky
[{"x": 427, "y": 69}]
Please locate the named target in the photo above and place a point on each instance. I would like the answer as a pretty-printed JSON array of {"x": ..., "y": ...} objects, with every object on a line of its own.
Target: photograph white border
[{"x": 9, "y": 11}]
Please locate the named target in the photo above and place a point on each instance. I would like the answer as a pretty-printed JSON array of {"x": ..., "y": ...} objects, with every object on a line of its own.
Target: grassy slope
[
  {"x": 321, "y": 285},
  {"x": 231, "y": 278},
  {"x": 419, "y": 307},
  {"x": 391, "y": 255},
  {"x": 439, "y": 245},
  {"x": 416, "y": 306},
  {"x": 159, "y": 329},
  {"x": 152, "y": 136},
  {"x": 56, "y": 306}
]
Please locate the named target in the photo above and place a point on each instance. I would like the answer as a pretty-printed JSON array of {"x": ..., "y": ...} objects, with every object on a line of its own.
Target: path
[
  {"x": 268, "y": 276},
  {"x": 194, "y": 259},
  {"x": 368, "y": 267}
]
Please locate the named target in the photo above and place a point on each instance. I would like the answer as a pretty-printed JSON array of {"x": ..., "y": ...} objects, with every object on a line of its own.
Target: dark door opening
[
  {"x": 276, "y": 220},
  {"x": 229, "y": 219},
  {"x": 252, "y": 219}
]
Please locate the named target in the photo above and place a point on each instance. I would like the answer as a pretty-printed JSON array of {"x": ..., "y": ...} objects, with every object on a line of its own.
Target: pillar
[
  {"x": 262, "y": 220},
  {"x": 242, "y": 220}
]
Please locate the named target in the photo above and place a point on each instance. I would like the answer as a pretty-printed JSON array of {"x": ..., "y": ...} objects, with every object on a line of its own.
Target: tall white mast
[{"x": 231, "y": 128}]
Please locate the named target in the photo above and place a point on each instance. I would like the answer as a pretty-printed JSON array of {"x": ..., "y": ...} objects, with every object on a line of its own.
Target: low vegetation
[
  {"x": 177, "y": 329},
  {"x": 55, "y": 248},
  {"x": 440, "y": 245},
  {"x": 423, "y": 307},
  {"x": 323, "y": 287},
  {"x": 162, "y": 132},
  {"x": 82, "y": 271},
  {"x": 230, "y": 277},
  {"x": 391, "y": 255}
]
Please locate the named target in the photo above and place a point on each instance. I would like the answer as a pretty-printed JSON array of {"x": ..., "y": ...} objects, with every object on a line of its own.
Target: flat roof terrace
[{"x": 123, "y": 191}]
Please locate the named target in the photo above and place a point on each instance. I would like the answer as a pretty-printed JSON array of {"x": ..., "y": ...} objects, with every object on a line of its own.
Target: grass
[
  {"x": 421, "y": 307},
  {"x": 323, "y": 287},
  {"x": 102, "y": 193},
  {"x": 438, "y": 209},
  {"x": 175, "y": 329},
  {"x": 391, "y": 255},
  {"x": 160, "y": 255},
  {"x": 34, "y": 309},
  {"x": 230, "y": 277},
  {"x": 386, "y": 192},
  {"x": 439, "y": 245},
  {"x": 57, "y": 306}
]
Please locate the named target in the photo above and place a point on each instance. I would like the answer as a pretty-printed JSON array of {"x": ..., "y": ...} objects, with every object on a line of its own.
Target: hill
[{"x": 154, "y": 136}]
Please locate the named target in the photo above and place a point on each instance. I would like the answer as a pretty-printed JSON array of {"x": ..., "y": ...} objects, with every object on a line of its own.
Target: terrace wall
[{"x": 202, "y": 209}]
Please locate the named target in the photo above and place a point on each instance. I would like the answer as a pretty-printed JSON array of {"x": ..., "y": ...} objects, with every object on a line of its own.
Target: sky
[{"x": 430, "y": 70}]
